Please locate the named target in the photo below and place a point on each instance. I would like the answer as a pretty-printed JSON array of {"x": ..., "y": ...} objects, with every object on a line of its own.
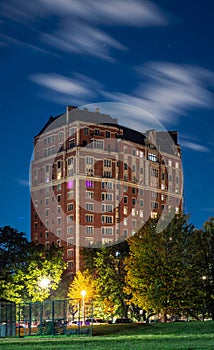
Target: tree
[
  {"x": 159, "y": 267},
  {"x": 24, "y": 264},
  {"x": 204, "y": 262},
  {"x": 110, "y": 278},
  {"x": 82, "y": 281}
]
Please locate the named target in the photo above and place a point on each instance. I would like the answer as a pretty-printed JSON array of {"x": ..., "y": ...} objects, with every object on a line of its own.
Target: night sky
[{"x": 156, "y": 55}]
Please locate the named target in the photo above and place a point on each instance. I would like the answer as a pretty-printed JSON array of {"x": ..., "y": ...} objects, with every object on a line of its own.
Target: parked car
[{"x": 123, "y": 320}]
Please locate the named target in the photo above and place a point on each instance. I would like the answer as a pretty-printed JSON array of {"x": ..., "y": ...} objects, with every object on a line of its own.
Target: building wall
[{"x": 92, "y": 185}]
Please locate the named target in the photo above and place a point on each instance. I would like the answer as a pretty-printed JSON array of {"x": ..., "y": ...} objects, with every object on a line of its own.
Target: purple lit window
[
  {"x": 89, "y": 184},
  {"x": 70, "y": 184}
]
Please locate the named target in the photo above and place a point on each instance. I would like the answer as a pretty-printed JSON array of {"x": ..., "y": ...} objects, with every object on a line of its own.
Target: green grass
[{"x": 169, "y": 336}]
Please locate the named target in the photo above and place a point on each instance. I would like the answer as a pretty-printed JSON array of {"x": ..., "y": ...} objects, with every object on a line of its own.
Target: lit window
[{"x": 152, "y": 157}]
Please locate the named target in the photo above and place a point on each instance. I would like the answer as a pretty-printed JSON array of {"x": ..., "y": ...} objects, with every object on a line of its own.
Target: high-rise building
[{"x": 95, "y": 182}]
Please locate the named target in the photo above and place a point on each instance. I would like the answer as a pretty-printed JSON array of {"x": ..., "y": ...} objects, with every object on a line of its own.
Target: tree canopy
[{"x": 24, "y": 264}]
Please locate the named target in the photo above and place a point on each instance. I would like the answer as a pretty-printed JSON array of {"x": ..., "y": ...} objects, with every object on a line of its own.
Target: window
[
  {"x": 125, "y": 200},
  {"x": 89, "y": 195},
  {"x": 89, "y": 206},
  {"x": 108, "y": 134},
  {"x": 70, "y": 241},
  {"x": 58, "y": 209},
  {"x": 85, "y": 131},
  {"x": 107, "y": 208},
  {"x": 154, "y": 172},
  {"x": 134, "y": 168},
  {"x": 133, "y": 201},
  {"x": 70, "y": 218},
  {"x": 46, "y": 234},
  {"x": 89, "y": 171},
  {"x": 70, "y": 195},
  {"x": 141, "y": 213},
  {"x": 89, "y": 241},
  {"x": 70, "y": 265},
  {"x": 154, "y": 205},
  {"x": 125, "y": 166},
  {"x": 97, "y": 132},
  {"x": 89, "y": 160},
  {"x": 169, "y": 162},
  {"x": 107, "y": 230},
  {"x": 125, "y": 233},
  {"x": 107, "y": 196},
  {"x": 98, "y": 144},
  {"x": 47, "y": 201},
  {"x": 89, "y": 218},
  {"x": 70, "y": 230},
  {"x": 89, "y": 229},
  {"x": 89, "y": 184},
  {"x": 177, "y": 165},
  {"x": 125, "y": 210},
  {"x": 60, "y": 135},
  {"x": 107, "y": 174},
  {"x": 71, "y": 143},
  {"x": 107, "y": 185},
  {"x": 107, "y": 163},
  {"x": 152, "y": 157},
  {"x": 70, "y": 253},
  {"x": 58, "y": 220},
  {"x": 107, "y": 219},
  {"x": 70, "y": 161},
  {"x": 59, "y": 198},
  {"x": 125, "y": 221},
  {"x": 59, "y": 187},
  {"x": 58, "y": 232},
  {"x": 133, "y": 211},
  {"x": 46, "y": 212},
  {"x": 70, "y": 206},
  {"x": 72, "y": 131},
  {"x": 70, "y": 172}
]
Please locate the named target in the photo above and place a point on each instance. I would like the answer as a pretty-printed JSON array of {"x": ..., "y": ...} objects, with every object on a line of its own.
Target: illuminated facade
[{"x": 96, "y": 182}]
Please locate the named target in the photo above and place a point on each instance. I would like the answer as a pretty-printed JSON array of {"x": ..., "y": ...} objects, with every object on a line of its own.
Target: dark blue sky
[{"x": 156, "y": 55}]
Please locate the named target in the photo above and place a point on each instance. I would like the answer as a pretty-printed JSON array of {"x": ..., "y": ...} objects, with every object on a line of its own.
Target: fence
[
  {"x": 71, "y": 317},
  {"x": 7, "y": 318}
]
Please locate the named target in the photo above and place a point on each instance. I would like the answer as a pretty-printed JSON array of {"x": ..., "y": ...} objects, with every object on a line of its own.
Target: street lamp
[
  {"x": 83, "y": 294},
  {"x": 44, "y": 283}
]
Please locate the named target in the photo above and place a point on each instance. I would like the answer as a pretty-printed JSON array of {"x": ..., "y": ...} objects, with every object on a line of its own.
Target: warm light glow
[
  {"x": 83, "y": 293},
  {"x": 44, "y": 282}
]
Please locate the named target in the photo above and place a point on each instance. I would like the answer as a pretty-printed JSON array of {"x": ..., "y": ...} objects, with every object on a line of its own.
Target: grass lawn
[{"x": 170, "y": 336}]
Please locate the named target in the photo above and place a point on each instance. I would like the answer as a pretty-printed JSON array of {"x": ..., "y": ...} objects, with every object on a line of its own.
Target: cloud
[
  {"x": 167, "y": 90},
  {"x": 194, "y": 146},
  {"x": 85, "y": 39},
  {"x": 77, "y": 24},
  {"x": 61, "y": 88},
  {"x": 112, "y": 12},
  {"x": 23, "y": 182}
]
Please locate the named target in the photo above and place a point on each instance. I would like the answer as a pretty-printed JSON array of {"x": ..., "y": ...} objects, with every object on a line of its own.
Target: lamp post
[
  {"x": 44, "y": 283},
  {"x": 83, "y": 294}
]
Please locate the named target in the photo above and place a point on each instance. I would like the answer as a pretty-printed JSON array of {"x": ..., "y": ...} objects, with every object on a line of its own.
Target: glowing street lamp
[
  {"x": 83, "y": 294},
  {"x": 44, "y": 283}
]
